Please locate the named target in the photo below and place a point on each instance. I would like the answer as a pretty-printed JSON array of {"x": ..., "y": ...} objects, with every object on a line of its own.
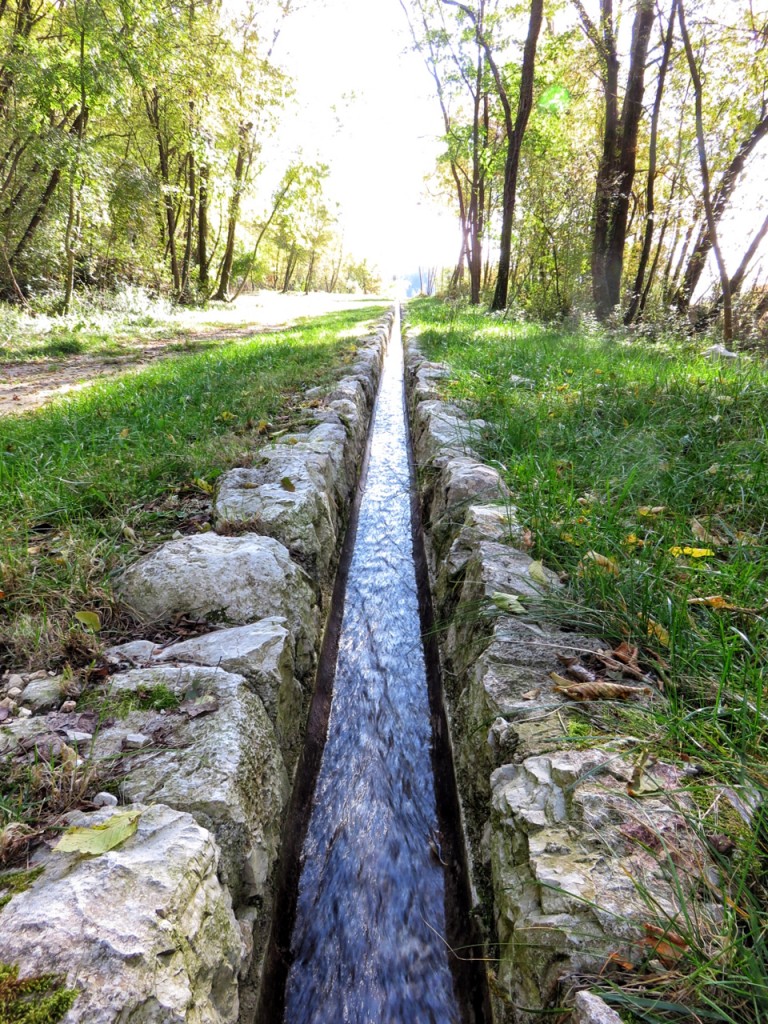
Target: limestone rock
[
  {"x": 574, "y": 858},
  {"x": 288, "y": 496},
  {"x": 440, "y": 428},
  {"x": 233, "y": 580},
  {"x": 144, "y": 932},
  {"x": 262, "y": 653},
  {"x": 225, "y": 767},
  {"x": 43, "y": 694},
  {"x": 591, "y": 1009}
]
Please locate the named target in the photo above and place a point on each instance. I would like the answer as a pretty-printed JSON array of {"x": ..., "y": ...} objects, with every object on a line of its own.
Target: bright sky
[{"x": 381, "y": 143}]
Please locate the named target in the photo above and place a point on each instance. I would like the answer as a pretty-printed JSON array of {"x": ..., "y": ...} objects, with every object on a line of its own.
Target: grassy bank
[
  {"x": 93, "y": 481},
  {"x": 640, "y": 473}
]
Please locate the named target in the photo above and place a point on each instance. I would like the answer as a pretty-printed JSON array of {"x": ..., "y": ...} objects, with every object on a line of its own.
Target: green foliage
[
  {"x": 40, "y": 999},
  {"x": 85, "y": 480},
  {"x": 656, "y": 459}
]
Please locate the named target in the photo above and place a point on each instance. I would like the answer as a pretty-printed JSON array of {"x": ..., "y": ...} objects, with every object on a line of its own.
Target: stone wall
[
  {"x": 163, "y": 927},
  {"x": 571, "y": 865}
]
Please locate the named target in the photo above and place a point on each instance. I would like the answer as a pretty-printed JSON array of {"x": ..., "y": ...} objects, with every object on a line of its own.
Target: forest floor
[{"x": 42, "y": 358}]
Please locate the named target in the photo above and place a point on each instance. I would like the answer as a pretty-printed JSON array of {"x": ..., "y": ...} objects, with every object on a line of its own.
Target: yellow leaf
[
  {"x": 713, "y": 470},
  {"x": 568, "y": 538},
  {"x": 655, "y": 629},
  {"x": 226, "y": 416},
  {"x": 90, "y": 620},
  {"x": 651, "y": 510},
  {"x": 633, "y": 541},
  {"x": 98, "y": 839},
  {"x": 124, "y": 432},
  {"x": 203, "y": 485},
  {"x": 130, "y": 534},
  {"x": 676, "y": 551},
  {"x": 698, "y": 552}
]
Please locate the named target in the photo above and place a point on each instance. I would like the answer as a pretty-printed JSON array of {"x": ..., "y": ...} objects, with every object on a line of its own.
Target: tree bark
[
  {"x": 720, "y": 199},
  {"x": 225, "y": 274},
  {"x": 616, "y": 172},
  {"x": 705, "y": 185},
  {"x": 202, "y": 229},
  {"x": 638, "y": 292}
]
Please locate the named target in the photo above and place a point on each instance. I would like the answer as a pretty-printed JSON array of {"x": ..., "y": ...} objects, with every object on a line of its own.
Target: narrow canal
[{"x": 366, "y": 945}]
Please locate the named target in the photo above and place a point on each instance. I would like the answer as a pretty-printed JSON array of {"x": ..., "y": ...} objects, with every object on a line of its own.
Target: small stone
[
  {"x": 16, "y": 681},
  {"x": 104, "y": 800},
  {"x": 177, "y": 535},
  {"x": 32, "y": 676},
  {"x": 14, "y": 692},
  {"x": 136, "y": 741},
  {"x": 24, "y": 713},
  {"x": 68, "y": 707},
  {"x": 75, "y": 736},
  {"x": 43, "y": 693},
  {"x": 8, "y": 702},
  {"x": 591, "y": 1009}
]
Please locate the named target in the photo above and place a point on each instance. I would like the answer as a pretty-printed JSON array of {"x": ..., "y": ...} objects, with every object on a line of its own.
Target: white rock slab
[{"x": 145, "y": 932}]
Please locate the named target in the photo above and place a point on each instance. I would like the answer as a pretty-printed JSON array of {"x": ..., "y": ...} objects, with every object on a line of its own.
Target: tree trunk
[
  {"x": 152, "y": 107},
  {"x": 202, "y": 229},
  {"x": 636, "y": 302},
  {"x": 514, "y": 145},
  {"x": 617, "y": 167},
  {"x": 720, "y": 199},
  {"x": 225, "y": 274},
  {"x": 706, "y": 194}
]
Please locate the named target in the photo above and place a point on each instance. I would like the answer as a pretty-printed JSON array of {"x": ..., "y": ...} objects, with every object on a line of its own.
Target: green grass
[
  {"x": 91, "y": 482},
  {"x": 655, "y": 459}
]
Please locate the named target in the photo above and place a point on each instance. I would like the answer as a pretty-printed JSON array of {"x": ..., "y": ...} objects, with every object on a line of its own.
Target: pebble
[
  {"x": 68, "y": 706},
  {"x": 14, "y": 692},
  {"x": 8, "y": 702},
  {"x": 24, "y": 713},
  {"x": 75, "y": 736},
  {"x": 135, "y": 741},
  {"x": 16, "y": 681},
  {"x": 105, "y": 800},
  {"x": 42, "y": 674}
]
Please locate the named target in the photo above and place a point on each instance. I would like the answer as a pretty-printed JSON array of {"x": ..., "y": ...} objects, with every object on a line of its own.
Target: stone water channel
[{"x": 368, "y": 942}]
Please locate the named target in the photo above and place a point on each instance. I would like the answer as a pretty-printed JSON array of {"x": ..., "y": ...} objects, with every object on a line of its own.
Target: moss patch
[
  {"x": 10, "y": 885},
  {"x": 38, "y": 1000}
]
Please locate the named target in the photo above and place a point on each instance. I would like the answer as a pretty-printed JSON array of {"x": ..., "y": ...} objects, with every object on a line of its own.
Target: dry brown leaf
[
  {"x": 530, "y": 695},
  {"x": 600, "y": 689},
  {"x": 700, "y": 532},
  {"x": 720, "y": 604},
  {"x": 576, "y": 670},
  {"x": 668, "y": 946},
  {"x": 602, "y": 560}
]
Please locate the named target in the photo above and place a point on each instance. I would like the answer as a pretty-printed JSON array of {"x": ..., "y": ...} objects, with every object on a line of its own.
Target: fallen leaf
[
  {"x": 196, "y": 708},
  {"x": 530, "y": 695},
  {"x": 576, "y": 670},
  {"x": 700, "y": 532},
  {"x": 633, "y": 541},
  {"x": 648, "y": 511},
  {"x": 713, "y": 470},
  {"x": 526, "y": 539},
  {"x": 130, "y": 534},
  {"x": 125, "y": 432},
  {"x": 203, "y": 485},
  {"x": 597, "y": 690},
  {"x": 668, "y": 946},
  {"x": 90, "y": 620},
  {"x": 287, "y": 484},
  {"x": 655, "y": 629},
  {"x": 226, "y": 416},
  {"x": 508, "y": 603},
  {"x": 720, "y": 604},
  {"x": 97, "y": 839},
  {"x": 602, "y": 560},
  {"x": 537, "y": 574}
]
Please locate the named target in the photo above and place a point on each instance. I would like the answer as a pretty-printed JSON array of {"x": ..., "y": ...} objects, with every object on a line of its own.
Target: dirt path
[{"x": 29, "y": 385}]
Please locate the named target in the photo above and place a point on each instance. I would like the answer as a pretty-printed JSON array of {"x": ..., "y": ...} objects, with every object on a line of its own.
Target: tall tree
[{"x": 616, "y": 173}]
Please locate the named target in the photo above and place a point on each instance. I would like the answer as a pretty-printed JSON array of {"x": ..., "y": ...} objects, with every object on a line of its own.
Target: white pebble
[{"x": 105, "y": 800}]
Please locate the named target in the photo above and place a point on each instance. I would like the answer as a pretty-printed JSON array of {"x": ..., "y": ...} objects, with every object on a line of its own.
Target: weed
[{"x": 40, "y": 999}]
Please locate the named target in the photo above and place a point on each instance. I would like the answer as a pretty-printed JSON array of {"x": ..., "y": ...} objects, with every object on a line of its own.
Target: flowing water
[{"x": 370, "y": 914}]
